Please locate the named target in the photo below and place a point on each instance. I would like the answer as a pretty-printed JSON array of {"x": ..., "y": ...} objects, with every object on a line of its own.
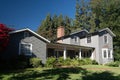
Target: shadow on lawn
[
  {"x": 63, "y": 74},
  {"x": 59, "y": 73},
  {"x": 101, "y": 76}
]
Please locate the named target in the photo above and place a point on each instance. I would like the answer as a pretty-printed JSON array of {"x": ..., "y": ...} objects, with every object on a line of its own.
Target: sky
[{"x": 20, "y": 14}]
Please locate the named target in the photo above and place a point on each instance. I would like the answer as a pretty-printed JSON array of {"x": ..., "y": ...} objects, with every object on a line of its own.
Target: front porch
[{"x": 66, "y": 50}]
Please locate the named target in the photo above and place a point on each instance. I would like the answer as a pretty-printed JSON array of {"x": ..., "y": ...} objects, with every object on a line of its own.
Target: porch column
[
  {"x": 64, "y": 53},
  {"x": 79, "y": 53}
]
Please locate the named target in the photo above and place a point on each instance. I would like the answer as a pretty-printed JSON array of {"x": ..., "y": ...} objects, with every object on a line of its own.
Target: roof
[
  {"x": 68, "y": 46},
  {"x": 108, "y": 30},
  {"x": 79, "y": 31},
  {"x": 27, "y": 29},
  {"x": 73, "y": 34}
]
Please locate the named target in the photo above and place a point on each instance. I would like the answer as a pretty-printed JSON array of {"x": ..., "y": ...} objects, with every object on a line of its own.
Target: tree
[
  {"x": 68, "y": 25},
  {"x": 48, "y": 27},
  {"x": 108, "y": 15},
  {"x": 77, "y": 16},
  {"x": 85, "y": 19},
  {"x": 4, "y": 36}
]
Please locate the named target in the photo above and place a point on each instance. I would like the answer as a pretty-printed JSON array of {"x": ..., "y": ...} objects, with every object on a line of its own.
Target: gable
[{"x": 31, "y": 33}]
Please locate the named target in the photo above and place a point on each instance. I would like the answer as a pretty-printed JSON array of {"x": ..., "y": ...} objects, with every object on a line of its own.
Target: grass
[{"x": 86, "y": 72}]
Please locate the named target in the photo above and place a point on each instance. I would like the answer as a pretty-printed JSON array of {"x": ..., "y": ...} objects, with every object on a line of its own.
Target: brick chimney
[{"x": 60, "y": 33}]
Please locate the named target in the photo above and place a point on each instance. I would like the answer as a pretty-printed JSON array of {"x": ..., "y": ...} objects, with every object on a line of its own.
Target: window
[
  {"x": 25, "y": 49},
  {"x": 75, "y": 39},
  {"x": 26, "y": 34},
  {"x": 105, "y": 54},
  {"x": 105, "y": 39},
  {"x": 109, "y": 54},
  {"x": 89, "y": 39}
]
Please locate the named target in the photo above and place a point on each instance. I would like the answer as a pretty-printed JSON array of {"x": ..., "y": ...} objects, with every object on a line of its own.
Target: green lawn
[{"x": 86, "y": 72}]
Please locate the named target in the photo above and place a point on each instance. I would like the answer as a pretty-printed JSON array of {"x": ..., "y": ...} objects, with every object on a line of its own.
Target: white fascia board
[
  {"x": 107, "y": 29},
  {"x": 27, "y": 29}
]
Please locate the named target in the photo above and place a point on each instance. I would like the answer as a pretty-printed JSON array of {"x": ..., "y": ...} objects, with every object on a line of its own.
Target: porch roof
[{"x": 67, "y": 46}]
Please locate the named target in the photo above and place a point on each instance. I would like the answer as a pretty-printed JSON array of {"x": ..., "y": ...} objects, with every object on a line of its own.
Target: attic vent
[{"x": 26, "y": 34}]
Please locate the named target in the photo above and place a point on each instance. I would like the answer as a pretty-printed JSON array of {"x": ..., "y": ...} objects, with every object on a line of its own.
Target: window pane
[
  {"x": 89, "y": 39},
  {"x": 25, "y": 49},
  {"x": 109, "y": 55},
  {"x": 105, "y": 54},
  {"x": 105, "y": 39}
]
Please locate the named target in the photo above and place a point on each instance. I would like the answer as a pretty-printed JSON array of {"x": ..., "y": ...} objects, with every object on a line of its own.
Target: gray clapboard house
[
  {"x": 27, "y": 42},
  {"x": 101, "y": 41},
  {"x": 82, "y": 44}
]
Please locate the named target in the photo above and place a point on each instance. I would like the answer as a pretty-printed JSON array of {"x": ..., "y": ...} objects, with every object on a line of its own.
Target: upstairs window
[
  {"x": 105, "y": 39},
  {"x": 75, "y": 38},
  {"x": 89, "y": 39}
]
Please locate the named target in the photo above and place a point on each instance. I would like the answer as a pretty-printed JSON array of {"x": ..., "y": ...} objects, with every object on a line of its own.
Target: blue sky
[{"x": 29, "y": 13}]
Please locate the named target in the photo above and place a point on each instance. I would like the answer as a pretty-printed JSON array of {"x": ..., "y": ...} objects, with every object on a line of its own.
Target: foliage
[
  {"x": 85, "y": 61},
  {"x": 4, "y": 37},
  {"x": 48, "y": 27},
  {"x": 16, "y": 62},
  {"x": 91, "y": 72},
  {"x": 19, "y": 62},
  {"x": 50, "y": 62},
  {"x": 84, "y": 18},
  {"x": 35, "y": 62},
  {"x": 60, "y": 62},
  {"x": 114, "y": 64},
  {"x": 75, "y": 62},
  {"x": 94, "y": 62},
  {"x": 108, "y": 15}
]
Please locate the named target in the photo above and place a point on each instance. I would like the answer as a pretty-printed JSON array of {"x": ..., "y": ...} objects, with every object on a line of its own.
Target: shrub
[
  {"x": 85, "y": 61},
  {"x": 50, "y": 62},
  {"x": 94, "y": 62},
  {"x": 67, "y": 62},
  {"x": 75, "y": 62},
  {"x": 35, "y": 62},
  {"x": 19, "y": 62},
  {"x": 114, "y": 64}
]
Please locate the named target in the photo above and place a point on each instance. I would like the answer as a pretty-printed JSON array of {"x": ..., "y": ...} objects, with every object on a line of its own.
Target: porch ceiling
[{"x": 67, "y": 46}]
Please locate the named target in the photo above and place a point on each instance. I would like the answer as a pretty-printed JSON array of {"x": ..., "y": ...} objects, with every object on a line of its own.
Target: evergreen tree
[
  {"x": 84, "y": 18},
  {"x": 68, "y": 25},
  {"x": 48, "y": 27},
  {"x": 108, "y": 15},
  {"x": 60, "y": 20},
  {"x": 77, "y": 16}
]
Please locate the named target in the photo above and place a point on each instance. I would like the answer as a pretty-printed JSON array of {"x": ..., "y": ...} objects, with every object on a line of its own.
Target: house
[
  {"x": 27, "y": 42},
  {"x": 101, "y": 41},
  {"x": 82, "y": 44}
]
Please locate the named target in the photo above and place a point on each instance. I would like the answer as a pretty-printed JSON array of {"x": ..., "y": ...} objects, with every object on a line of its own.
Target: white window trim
[
  {"x": 106, "y": 53},
  {"x": 30, "y": 48},
  {"x": 111, "y": 53},
  {"x": 90, "y": 39},
  {"x": 76, "y": 41}
]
